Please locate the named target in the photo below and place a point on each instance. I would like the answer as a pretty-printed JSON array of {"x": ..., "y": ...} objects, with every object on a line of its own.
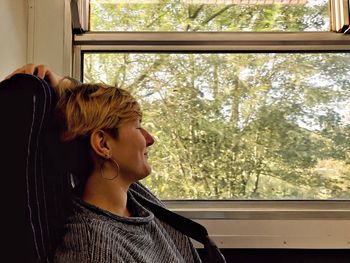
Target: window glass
[
  {"x": 240, "y": 126},
  {"x": 209, "y": 15}
]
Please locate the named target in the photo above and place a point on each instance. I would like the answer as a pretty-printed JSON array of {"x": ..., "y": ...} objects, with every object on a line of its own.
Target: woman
[{"x": 108, "y": 224}]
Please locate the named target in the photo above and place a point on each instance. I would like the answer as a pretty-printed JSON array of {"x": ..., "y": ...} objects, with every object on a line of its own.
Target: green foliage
[
  {"x": 242, "y": 126},
  {"x": 176, "y": 15}
]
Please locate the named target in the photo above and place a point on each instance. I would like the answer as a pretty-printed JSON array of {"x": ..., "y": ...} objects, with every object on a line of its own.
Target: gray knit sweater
[{"x": 95, "y": 235}]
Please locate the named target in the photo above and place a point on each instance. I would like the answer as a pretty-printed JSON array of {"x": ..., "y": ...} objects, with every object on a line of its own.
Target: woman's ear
[{"x": 99, "y": 143}]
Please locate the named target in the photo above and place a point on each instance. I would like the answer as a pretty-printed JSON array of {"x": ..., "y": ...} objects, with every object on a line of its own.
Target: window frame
[
  {"x": 232, "y": 42},
  {"x": 214, "y": 213}
]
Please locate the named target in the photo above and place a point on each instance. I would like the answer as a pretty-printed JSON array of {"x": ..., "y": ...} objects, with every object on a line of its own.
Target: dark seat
[{"x": 32, "y": 168}]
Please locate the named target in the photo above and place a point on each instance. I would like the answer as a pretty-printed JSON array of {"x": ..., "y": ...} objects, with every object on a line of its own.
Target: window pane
[
  {"x": 209, "y": 15},
  {"x": 240, "y": 126}
]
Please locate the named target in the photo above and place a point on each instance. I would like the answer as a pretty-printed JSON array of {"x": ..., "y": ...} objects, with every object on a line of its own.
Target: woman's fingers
[
  {"x": 44, "y": 72},
  {"x": 28, "y": 69},
  {"x": 41, "y": 71},
  {"x": 52, "y": 78}
]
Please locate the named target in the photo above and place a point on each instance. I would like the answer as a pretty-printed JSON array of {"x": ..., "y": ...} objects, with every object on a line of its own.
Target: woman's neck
[{"x": 111, "y": 196}]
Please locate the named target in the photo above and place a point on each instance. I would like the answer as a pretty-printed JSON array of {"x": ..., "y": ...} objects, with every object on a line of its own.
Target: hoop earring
[{"x": 117, "y": 168}]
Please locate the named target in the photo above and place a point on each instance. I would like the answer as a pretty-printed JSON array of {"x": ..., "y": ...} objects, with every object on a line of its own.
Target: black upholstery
[{"x": 32, "y": 167}]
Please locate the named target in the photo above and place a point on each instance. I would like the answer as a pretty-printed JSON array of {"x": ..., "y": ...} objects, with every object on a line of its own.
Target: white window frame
[{"x": 245, "y": 224}]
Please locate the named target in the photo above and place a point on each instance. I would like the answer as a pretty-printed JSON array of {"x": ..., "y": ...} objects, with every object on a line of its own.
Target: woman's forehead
[{"x": 136, "y": 119}]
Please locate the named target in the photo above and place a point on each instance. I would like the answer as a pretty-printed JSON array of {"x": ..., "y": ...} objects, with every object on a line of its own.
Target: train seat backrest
[{"x": 33, "y": 164}]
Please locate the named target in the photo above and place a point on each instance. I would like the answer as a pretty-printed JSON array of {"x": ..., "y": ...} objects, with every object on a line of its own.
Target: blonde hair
[{"x": 82, "y": 108}]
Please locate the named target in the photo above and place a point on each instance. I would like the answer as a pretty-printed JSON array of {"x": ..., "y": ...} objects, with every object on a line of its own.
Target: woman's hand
[{"x": 41, "y": 71}]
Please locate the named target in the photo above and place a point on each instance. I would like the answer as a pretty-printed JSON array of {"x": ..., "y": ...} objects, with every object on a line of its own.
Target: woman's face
[{"x": 130, "y": 150}]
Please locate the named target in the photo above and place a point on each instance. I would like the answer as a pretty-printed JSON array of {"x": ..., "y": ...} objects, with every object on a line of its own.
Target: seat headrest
[{"x": 32, "y": 165}]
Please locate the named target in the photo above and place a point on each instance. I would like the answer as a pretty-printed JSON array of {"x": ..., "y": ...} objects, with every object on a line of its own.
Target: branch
[
  {"x": 195, "y": 14},
  {"x": 214, "y": 16},
  {"x": 155, "y": 20},
  {"x": 147, "y": 72}
]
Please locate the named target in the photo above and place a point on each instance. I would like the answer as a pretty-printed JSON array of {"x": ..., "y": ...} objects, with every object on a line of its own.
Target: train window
[
  {"x": 236, "y": 115},
  {"x": 250, "y": 110}
]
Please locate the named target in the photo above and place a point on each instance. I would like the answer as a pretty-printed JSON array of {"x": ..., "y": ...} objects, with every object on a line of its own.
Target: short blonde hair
[{"x": 83, "y": 108}]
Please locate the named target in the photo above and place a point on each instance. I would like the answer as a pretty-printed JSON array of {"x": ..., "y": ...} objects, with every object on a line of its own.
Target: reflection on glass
[
  {"x": 240, "y": 126},
  {"x": 209, "y": 15}
]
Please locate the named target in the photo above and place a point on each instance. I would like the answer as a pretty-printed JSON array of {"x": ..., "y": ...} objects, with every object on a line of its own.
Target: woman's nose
[{"x": 148, "y": 137}]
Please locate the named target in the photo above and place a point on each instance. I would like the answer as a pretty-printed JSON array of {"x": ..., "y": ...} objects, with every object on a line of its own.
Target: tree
[{"x": 235, "y": 125}]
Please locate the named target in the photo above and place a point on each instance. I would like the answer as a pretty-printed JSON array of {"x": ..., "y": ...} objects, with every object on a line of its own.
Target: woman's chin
[{"x": 147, "y": 172}]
